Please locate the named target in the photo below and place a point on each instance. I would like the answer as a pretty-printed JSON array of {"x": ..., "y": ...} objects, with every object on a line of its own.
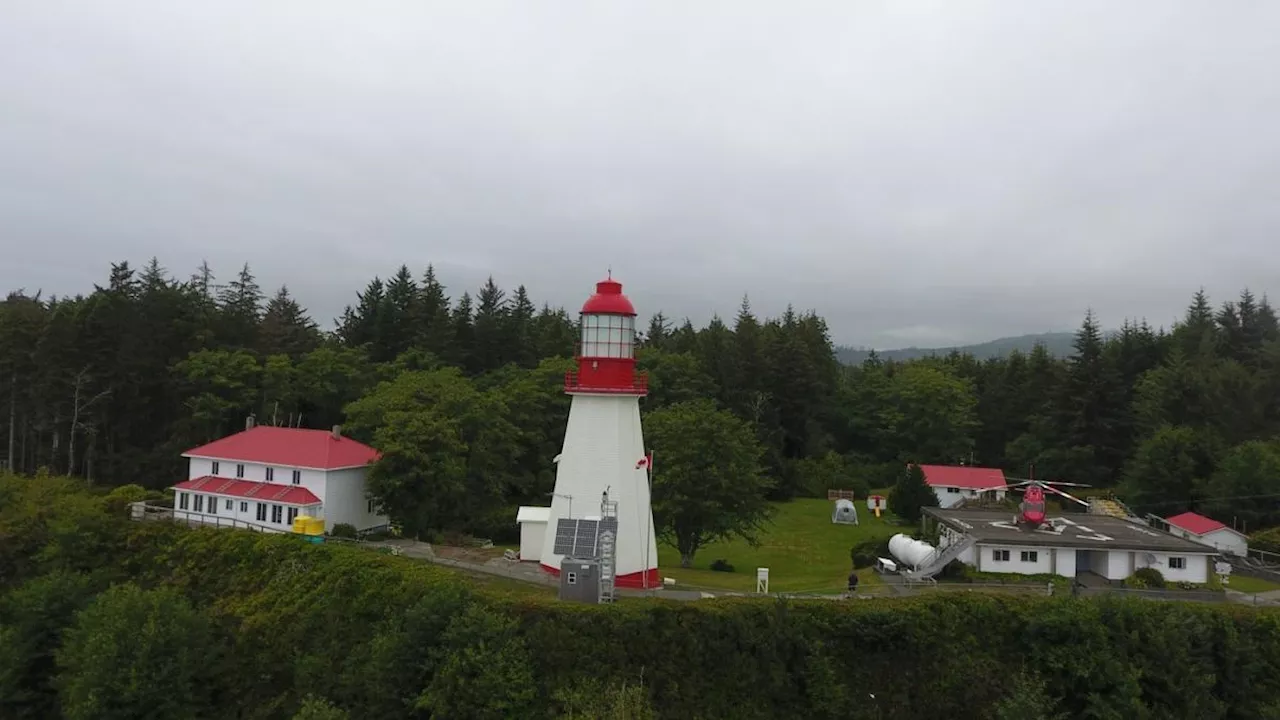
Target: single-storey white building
[
  {"x": 266, "y": 476},
  {"x": 1110, "y": 547},
  {"x": 533, "y": 528},
  {"x": 1208, "y": 531},
  {"x": 953, "y": 483}
]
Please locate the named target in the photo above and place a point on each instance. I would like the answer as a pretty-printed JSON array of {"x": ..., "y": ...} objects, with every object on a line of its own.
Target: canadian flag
[{"x": 645, "y": 462}]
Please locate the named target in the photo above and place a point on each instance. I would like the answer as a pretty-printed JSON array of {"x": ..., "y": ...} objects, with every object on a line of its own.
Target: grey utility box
[{"x": 580, "y": 580}]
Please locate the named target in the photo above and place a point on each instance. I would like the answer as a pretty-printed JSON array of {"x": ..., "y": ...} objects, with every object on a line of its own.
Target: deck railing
[
  {"x": 143, "y": 511},
  {"x": 638, "y": 386}
]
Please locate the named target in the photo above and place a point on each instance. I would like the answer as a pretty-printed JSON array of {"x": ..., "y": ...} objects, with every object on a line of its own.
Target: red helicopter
[{"x": 1032, "y": 505}]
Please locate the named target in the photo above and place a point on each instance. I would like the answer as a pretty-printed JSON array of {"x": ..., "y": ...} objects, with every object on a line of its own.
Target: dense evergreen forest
[{"x": 113, "y": 386}]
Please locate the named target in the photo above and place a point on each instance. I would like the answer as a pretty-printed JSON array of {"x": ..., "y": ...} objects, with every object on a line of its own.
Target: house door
[
  {"x": 293, "y": 513},
  {"x": 1082, "y": 561}
]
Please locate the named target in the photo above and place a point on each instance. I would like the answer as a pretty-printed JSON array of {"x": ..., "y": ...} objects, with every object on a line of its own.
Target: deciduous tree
[
  {"x": 708, "y": 484},
  {"x": 136, "y": 654}
]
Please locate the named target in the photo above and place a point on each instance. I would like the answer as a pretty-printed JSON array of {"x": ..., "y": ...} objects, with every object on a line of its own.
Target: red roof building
[
  {"x": 292, "y": 447},
  {"x": 962, "y": 476},
  {"x": 954, "y": 483},
  {"x": 1195, "y": 523},
  {"x": 264, "y": 477},
  {"x": 1207, "y": 531}
]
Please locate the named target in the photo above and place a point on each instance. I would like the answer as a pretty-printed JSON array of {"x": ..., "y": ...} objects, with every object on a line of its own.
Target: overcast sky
[{"x": 918, "y": 172}]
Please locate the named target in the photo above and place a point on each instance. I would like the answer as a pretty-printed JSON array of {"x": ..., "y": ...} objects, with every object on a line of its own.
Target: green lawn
[
  {"x": 803, "y": 550},
  {"x": 1250, "y": 585}
]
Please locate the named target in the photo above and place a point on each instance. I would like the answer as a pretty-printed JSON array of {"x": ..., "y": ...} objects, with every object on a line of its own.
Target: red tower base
[{"x": 632, "y": 581}]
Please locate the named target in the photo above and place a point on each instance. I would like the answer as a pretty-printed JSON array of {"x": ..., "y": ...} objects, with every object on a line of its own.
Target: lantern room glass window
[{"x": 609, "y": 336}]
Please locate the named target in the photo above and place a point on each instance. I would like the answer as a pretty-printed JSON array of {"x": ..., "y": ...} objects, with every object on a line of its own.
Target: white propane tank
[{"x": 910, "y": 551}]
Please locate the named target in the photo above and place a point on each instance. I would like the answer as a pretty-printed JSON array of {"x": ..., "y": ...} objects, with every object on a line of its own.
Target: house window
[
  {"x": 230, "y": 505},
  {"x": 953, "y": 491},
  {"x": 240, "y": 470},
  {"x": 214, "y": 470},
  {"x": 277, "y": 513},
  {"x": 1030, "y": 556},
  {"x": 297, "y": 477},
  {"x": 571, "y": 578},
  {"x": 213, "y": 505},
  {"x": 293, "y": 513},
  {"x": 183, "y": 500},
  {"x": 370, "y": 507},
  {"x": 271, "y": 474},
  {"x": 262, "y": 512},
  {"x": 244, "y": 507},
  {"x": 1177, "y": 563},
  {"x": 1000, "y": 555},
  {"x": 199, "y": 503}
]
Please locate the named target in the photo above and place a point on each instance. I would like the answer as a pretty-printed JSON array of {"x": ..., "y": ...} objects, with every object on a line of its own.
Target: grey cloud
[{"x": 917, "y": 173}]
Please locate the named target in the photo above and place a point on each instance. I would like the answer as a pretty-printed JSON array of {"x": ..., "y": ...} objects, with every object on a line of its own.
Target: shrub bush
[
  {"x": 1148, "y": 577},
  {"x": 865, "y": 553},
  {"x": 343, "y": 530}
]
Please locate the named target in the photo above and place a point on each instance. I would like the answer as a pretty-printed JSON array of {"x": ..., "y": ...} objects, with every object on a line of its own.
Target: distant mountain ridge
[{"x": 1057, "y": 343}]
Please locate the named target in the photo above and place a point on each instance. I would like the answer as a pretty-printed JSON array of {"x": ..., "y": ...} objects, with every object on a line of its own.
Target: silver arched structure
[{"x": 844, "y": 513}]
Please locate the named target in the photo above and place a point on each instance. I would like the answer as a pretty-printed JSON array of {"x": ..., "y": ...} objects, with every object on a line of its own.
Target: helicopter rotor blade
[
  {"x": 1067, "y": 495},
  {"x": 1050, "y": 482}
]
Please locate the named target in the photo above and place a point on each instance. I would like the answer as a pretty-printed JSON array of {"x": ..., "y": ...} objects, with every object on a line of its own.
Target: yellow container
[{"x": 307, "y": 525}]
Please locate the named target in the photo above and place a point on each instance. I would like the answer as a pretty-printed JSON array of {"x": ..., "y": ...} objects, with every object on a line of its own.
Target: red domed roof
[{"x": 608, "y": 300}]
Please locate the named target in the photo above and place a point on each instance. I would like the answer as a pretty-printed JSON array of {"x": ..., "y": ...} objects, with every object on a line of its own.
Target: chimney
[
  {"x": 337, "y": 432},
  {"x": 248, "y": 423}
]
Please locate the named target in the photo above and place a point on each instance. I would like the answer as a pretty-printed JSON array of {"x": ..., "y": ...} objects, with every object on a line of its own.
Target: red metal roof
[
  {"x": 1195, "y": 523},
  {"x": 959, "y": 476},
  {"x": 296, "y": 447},
  {"x": 608, "y": 300},
  {"x": 249, "y": 489}
]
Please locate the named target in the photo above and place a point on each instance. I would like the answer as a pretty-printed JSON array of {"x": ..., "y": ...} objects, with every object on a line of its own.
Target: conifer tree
[
  {"x": 433, "y": 326},
  {"x": 911, "y": 493},
  {"x": 240, "y": 303},
  {"x": 286, "y": 329}
]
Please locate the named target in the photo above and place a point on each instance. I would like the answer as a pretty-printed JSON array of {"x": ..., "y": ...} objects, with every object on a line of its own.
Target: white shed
[
  {"x": 533, "y": 528},
  {"x": 1207, "y": 531}
]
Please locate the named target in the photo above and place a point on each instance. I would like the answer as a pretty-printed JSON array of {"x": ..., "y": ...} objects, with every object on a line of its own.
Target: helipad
[{"x": 1071, "y": 530}]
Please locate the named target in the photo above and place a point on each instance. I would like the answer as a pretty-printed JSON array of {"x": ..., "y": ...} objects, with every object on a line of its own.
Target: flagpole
[{"x": 648, "y": 474}]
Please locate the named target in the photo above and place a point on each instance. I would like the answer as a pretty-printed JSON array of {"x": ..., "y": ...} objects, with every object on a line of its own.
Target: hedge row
[{"x": 388, "y": 637}]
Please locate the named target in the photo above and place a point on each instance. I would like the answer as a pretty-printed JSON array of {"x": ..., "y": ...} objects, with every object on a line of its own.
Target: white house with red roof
[
  {"x": 1208, "y": 531},
  {"x": 953, "y": 483},
  {"x": 266, "y": 476}
]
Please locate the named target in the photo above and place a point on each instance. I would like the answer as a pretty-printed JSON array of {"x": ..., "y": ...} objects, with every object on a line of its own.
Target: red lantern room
[{"x": 607, "y": 346}]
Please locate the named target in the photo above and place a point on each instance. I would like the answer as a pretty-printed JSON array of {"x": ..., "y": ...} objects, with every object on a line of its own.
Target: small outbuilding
[
  {"x": 1207, "y": 531},
  {"x": 533, "y": 530}
]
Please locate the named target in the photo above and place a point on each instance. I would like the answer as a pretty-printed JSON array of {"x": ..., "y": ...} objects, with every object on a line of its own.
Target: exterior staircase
[
  {"x": 940, "y": 561},
  {"x": 1111, "y": 507}
]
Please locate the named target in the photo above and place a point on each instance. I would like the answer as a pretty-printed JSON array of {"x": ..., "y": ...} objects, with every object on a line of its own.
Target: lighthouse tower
[{"x": 603, "y": 444}]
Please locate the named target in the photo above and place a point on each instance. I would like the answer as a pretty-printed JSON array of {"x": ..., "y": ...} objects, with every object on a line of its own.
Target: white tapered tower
[{"x": 603, "y": 443}]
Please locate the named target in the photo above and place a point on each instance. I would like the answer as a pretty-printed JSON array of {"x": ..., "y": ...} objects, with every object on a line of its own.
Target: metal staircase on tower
[
  {"x": 940, "y": 561},
  {"x": 607, "y": 542}
]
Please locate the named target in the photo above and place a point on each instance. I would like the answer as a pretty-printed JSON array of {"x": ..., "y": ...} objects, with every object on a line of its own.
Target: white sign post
[{"x": 762, "y": 580}]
